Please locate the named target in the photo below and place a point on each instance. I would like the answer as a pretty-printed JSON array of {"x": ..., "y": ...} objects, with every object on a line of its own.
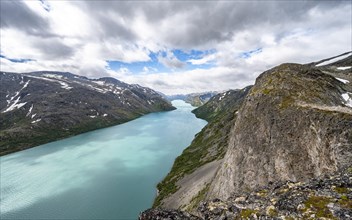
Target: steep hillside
[
  {"x": 194, "y": 169},
  {"x": 221, "y": 103},
  {"x": 293, "y": 126},
  {"x": 40, "y": 107}
]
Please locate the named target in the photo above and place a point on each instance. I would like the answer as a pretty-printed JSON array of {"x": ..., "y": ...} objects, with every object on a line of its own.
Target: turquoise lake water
[{"x": 109, "y": 173}]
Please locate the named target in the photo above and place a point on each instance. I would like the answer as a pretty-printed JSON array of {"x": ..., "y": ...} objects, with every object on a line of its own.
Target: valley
[
  {"x": 109, "y": 173},
  {"x": 40, "y": 107},
  {"x": 175, "y": 110}
]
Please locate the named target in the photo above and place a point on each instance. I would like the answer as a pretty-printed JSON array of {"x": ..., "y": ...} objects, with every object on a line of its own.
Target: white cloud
[
  {"x": 169, "y": 60},
  {"x": 189, "y": 81},
  {"x": 204, "y": 60},
  {"x": 82, "y": 36}
]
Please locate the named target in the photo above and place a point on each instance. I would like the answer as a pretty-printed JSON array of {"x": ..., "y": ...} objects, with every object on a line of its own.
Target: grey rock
[
  {"x": 166, "y": 214},
  {"x": 293, "y": 126}
]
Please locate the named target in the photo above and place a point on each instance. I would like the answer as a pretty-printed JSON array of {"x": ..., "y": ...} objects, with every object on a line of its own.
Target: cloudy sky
[{"x": 171, "y": 46}]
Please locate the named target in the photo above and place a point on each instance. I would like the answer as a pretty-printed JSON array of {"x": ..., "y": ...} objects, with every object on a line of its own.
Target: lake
[{"x": 109, "y": 173}]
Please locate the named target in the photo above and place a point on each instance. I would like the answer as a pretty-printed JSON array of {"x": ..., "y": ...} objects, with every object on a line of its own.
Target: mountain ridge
[
  {"x": 43, "y": 106},
  {"x": 195, "y": 99},
  {"x": 295, "y": 124}
]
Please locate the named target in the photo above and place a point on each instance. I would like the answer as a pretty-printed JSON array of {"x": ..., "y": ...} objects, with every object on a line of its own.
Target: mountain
[
  {"x": 39, "y": 107},
  {"x": 196, "y": 166},
  {"x": 221, "y": 103},
  {"x": 293, "y": 128},
  {"x": 195, "y": 99},
  {"x": 295, "y": 123}
]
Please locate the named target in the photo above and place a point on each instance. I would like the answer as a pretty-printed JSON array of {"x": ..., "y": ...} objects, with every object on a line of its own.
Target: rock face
[
  {"x": 293, "y": 125},
  {"x": 40, "y": 107},
  {"x": 192, "y": 172},
  {"x": 319, "y": 198}
]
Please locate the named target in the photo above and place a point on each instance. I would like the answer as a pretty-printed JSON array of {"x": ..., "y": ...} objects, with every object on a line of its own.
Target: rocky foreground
[{"x": 327, "y": 197}]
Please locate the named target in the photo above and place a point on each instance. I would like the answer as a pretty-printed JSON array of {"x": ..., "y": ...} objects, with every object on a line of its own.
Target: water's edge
[{"x": 109, "y": 173}]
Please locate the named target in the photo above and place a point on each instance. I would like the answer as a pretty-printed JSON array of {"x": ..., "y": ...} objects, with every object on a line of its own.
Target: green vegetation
[
  {"x": 341, "y": 190},
  {"x": 345, "y": 202},
  {"x": 210, "y": 144},
  {"x": 318, "y": 204},
  {"x": 193, "y": 157},
  {"x": 273, "y": 212},
  {"x": 292, "y": 83},
  {"x": 247, "y": 213},
  {"x": 266, "y": 91},
  {"x": 221, "y": 104},
  {"x": 349, "y": 170},
  {"x": 286, "y": 102},
  {"x": 198, "y": 198},
  {"x": 262, "y": 193}
]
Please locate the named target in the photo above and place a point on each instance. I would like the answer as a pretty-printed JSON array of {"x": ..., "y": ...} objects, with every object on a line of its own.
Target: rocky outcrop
[
  {"x": 327, "y": 197},
  {"x": 319, "y": 198},
  {"x": 161, "y": 214},
  {"x": 293, "y": 125},
  {"x": 39, "y": 107}
]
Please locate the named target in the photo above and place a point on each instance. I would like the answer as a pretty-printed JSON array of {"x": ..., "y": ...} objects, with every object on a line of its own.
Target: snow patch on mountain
[
  {"x": 342, "y": 80},
  {"x": 347, "y": 97},
  {"x": 15, "y": 105},
  {"x": 64, "y": 85},
  {"x": 54, "y": 76},
  {"x": 29, "y": 111},
  {"x": 344, "y": 67},
  {"x": 35, "y": 121}
]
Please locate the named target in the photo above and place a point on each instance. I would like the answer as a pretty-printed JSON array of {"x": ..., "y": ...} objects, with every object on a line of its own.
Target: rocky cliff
[
  {"x": 40, "y": 107},
  {"x": 294, "y": 125},
  {"x": 193, "y": 171}
]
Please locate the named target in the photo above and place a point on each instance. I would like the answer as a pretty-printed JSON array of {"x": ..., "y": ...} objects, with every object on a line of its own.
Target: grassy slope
[{"x": 209, "y": 144}]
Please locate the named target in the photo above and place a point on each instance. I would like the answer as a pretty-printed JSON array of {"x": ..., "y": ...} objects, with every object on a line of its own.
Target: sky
[{"x": 175, "y": 47}]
